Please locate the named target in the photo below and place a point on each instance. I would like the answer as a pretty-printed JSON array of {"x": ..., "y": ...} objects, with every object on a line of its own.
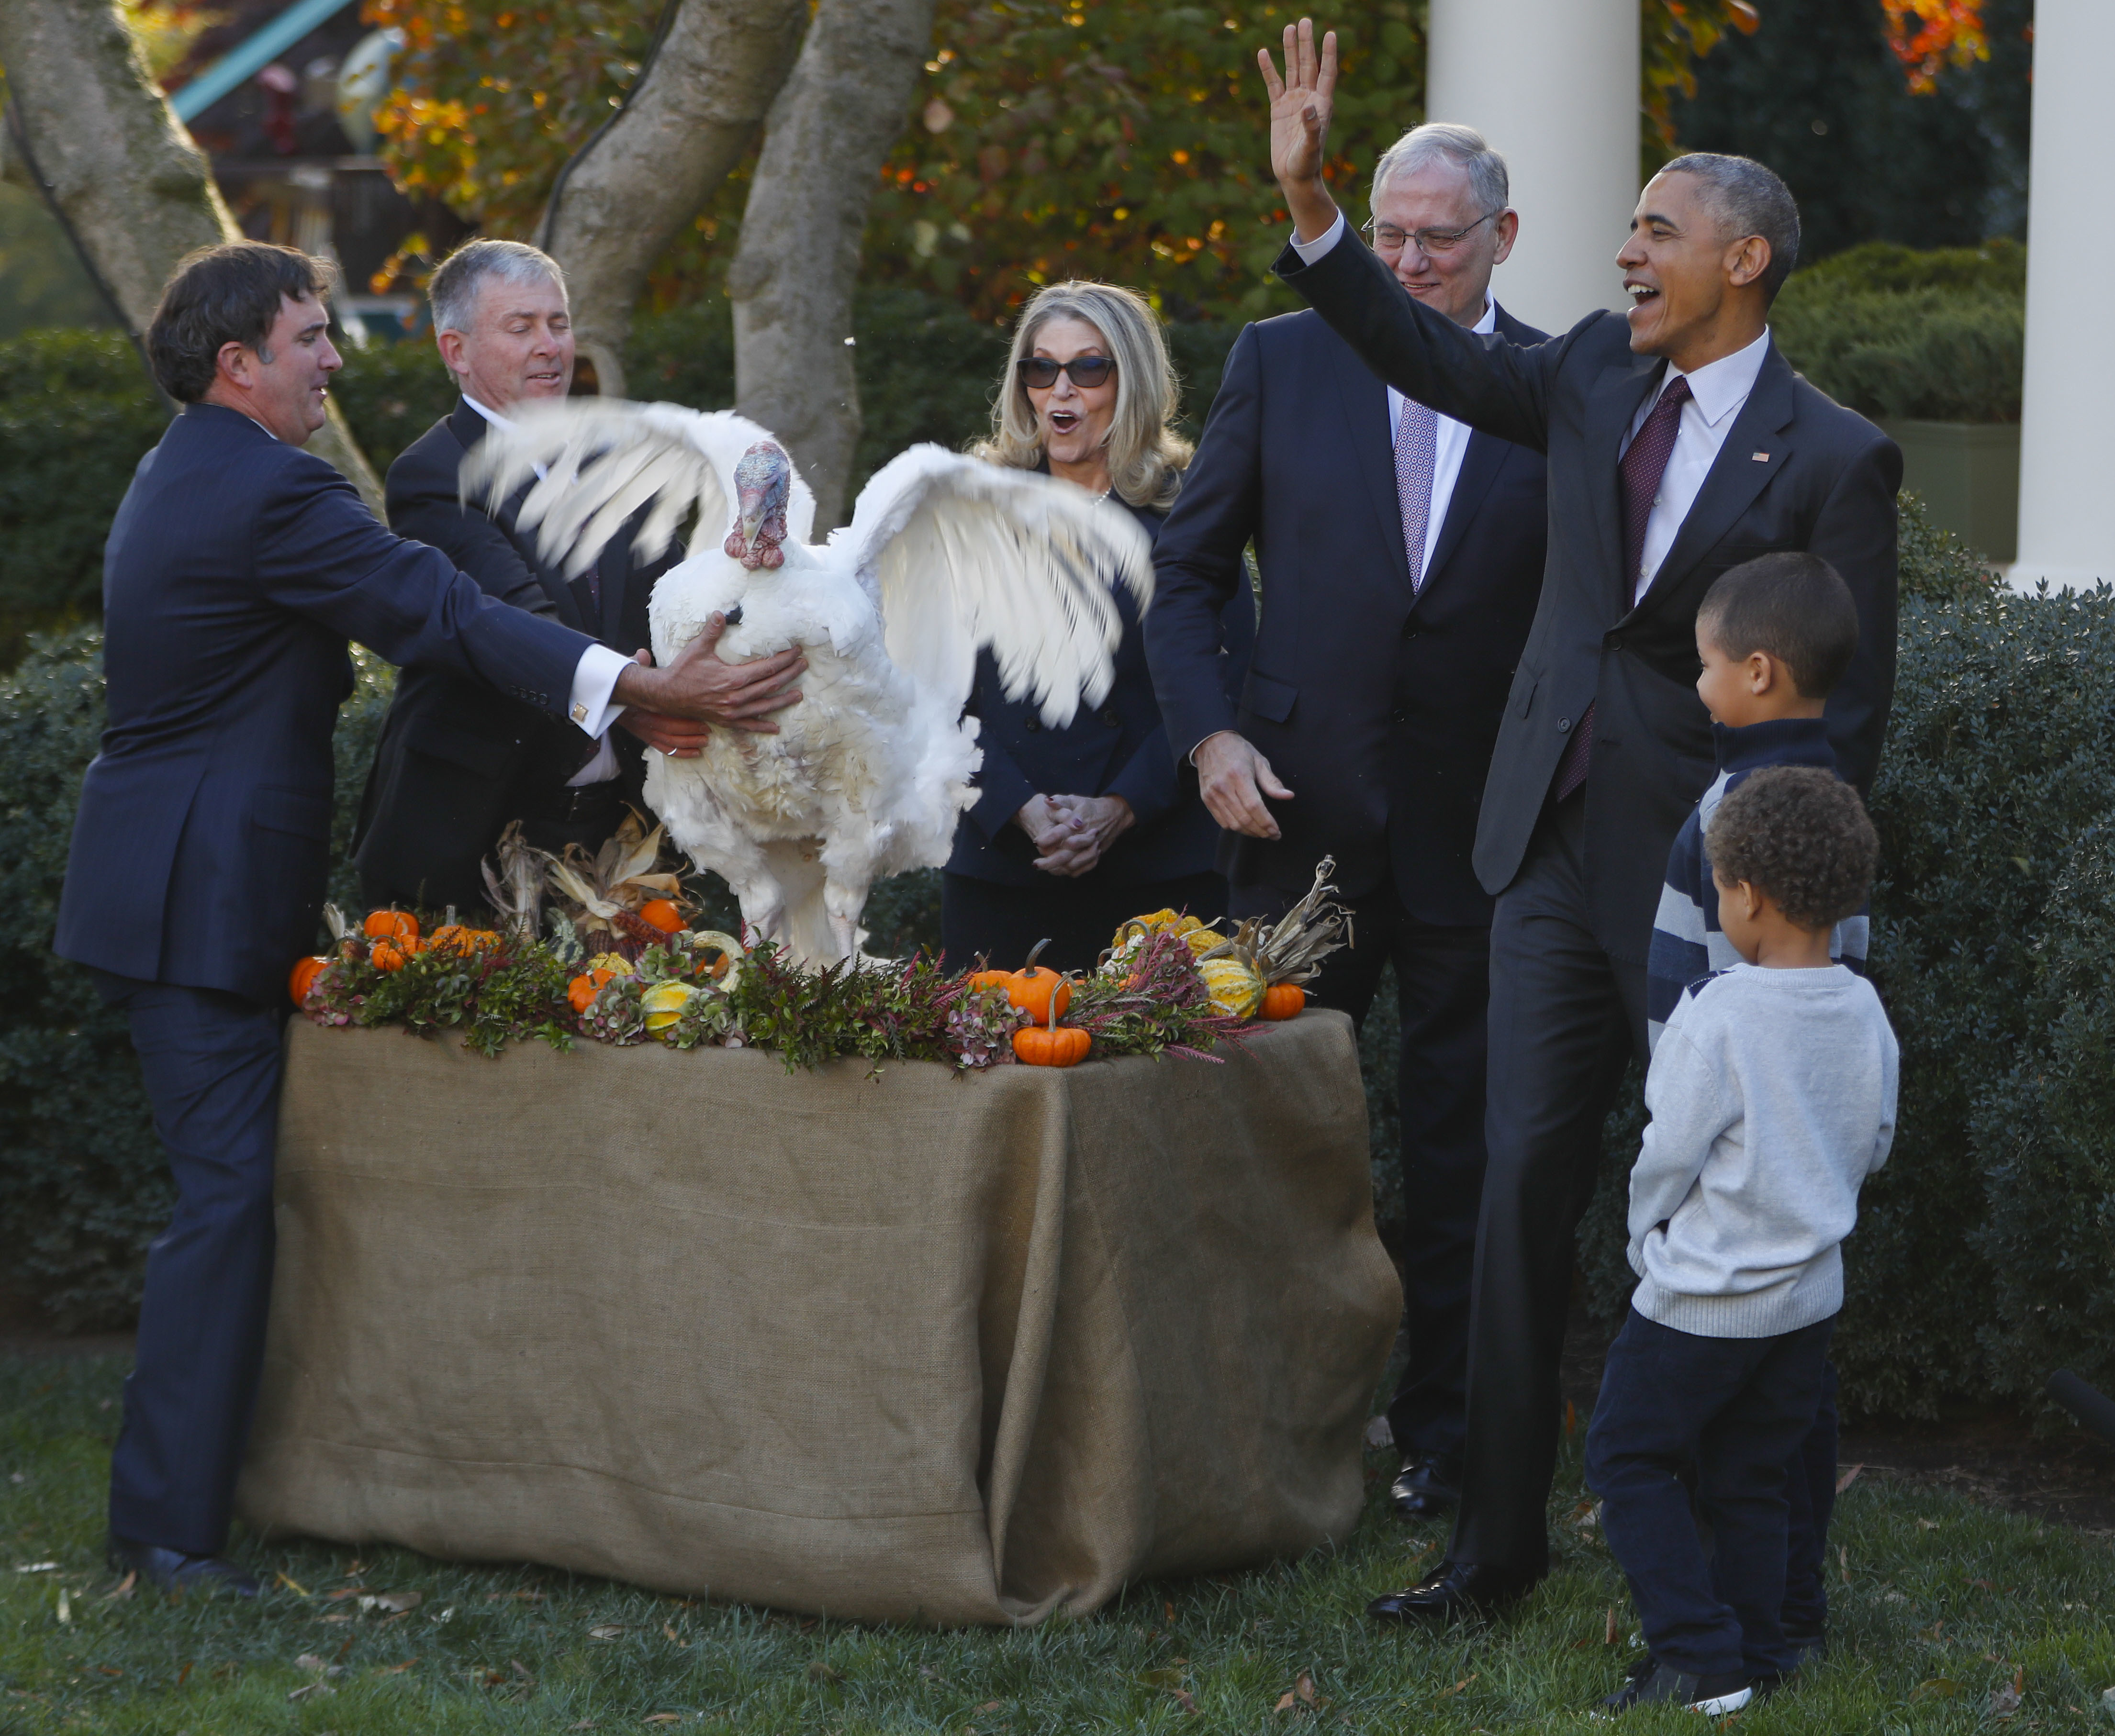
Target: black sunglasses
[{"x": 1039, "y": 372}]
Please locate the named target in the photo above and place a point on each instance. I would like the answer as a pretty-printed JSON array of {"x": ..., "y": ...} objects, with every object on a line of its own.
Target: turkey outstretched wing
[
  {"x": 960, "y": 554},
  {"x": 595, "y": 462}
]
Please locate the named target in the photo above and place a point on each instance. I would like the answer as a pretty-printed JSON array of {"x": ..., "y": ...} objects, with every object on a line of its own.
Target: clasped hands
[
  {"x": 673, "y": 709},
  {"x": 1072, "y": 833}
]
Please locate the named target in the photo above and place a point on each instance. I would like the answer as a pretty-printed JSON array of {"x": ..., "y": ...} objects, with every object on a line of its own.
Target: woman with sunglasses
[{"x": 1076, "y": 829}]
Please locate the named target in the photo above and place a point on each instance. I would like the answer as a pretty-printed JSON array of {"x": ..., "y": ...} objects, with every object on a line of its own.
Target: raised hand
[
  {"x": 1301, "y": 104},
  {"x": 700, "y": 685}
]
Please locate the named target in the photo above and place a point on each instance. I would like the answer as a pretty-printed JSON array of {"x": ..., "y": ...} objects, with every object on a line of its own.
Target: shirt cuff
[
  {"x": 1310, "y": 251},
  {"x": 591, "y": 703}
]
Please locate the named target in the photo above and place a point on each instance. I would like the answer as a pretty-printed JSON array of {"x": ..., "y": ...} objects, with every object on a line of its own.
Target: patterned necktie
[
  {"x": 1642, "y": 467},
  {"x": 1416, "y": 455}
]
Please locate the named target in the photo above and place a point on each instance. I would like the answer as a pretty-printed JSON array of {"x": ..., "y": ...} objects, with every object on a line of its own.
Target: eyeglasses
[
  {"x": 1039, "y": 373},
  {"x": 1389, "y": 238}
]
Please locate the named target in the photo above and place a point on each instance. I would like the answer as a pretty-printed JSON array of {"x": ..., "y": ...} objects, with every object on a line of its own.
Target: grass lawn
[{"x": 1941, "y": 1605}]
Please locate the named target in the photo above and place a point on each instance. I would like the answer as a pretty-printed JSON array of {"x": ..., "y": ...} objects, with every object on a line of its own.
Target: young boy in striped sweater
[{"x": 1775, "y": 635}]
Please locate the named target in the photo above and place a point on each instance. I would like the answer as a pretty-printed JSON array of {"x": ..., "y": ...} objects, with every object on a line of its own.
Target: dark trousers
[
  {"x": 1442, "y": 979},
  {"x": 1078, "y": 916},
  {"x": 1730, "y": 1412},
  {"x": 1810, "y": 1498},
  {"x": 211, "y": 1062},
  {"x": 1565, "y": 1018}
]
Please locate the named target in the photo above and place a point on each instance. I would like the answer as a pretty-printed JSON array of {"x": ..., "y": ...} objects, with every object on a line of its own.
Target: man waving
[{"x": 1680, "y": 443}]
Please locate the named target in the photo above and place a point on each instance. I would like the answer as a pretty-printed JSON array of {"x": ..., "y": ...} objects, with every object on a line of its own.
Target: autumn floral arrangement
[{"x": 602, "y": 949}]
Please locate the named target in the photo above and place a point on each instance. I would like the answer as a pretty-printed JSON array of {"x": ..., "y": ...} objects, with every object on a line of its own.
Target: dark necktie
[{"x": 1641, "y": 470}]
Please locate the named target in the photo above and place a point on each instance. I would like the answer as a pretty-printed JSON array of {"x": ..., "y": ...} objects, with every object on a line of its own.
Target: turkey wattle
[{"x": 945, "y": 556}]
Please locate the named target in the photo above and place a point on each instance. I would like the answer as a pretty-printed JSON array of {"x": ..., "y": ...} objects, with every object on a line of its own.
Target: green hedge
[
  {"x": 1893, "y": 332},
  {"x": 76, "y": 413}
]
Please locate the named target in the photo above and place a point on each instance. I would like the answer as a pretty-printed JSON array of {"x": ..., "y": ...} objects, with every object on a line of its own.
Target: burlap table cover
[{"x": 948, "y": 1349}]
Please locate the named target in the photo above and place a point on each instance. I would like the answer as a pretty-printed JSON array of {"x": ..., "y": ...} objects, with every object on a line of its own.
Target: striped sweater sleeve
[{"x": 1679, "y": 954}]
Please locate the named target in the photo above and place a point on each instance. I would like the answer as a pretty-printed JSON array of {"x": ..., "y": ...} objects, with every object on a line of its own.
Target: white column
[
  {"x": 2066, "y": 441},
  {"x": 1554, "y": 85}
]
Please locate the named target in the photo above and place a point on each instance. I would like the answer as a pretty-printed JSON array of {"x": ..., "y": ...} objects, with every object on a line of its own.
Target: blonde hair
[{"x": 1146, "y": 456}]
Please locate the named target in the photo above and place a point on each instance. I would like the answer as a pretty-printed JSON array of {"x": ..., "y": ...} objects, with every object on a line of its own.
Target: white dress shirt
[
  {"x": 591, "y": 704},
  {"x": 1451, "y": 444},
  {"x": 1719, "y": 389}
]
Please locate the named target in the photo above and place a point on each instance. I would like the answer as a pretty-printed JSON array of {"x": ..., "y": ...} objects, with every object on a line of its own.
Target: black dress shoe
[
  {"x": 1457, "y": 1588},
  {"x": 1426, "y": 1486},
  {"x": 1713, "y": 1695},
  {"x": 171, "y": 1570}
]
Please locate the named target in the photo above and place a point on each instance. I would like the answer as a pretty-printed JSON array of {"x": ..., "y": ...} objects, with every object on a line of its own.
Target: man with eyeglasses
[
  {"x": 1681, "y": 443},
  {"x": 1400, "y": 555}
]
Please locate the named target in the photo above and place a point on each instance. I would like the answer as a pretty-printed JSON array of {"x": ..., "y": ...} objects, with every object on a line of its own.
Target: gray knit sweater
[{"x": 1772, "y": 1096}]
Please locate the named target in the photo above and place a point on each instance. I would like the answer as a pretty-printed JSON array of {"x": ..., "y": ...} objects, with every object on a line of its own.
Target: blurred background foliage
[{"x": 1047, "y": 139}]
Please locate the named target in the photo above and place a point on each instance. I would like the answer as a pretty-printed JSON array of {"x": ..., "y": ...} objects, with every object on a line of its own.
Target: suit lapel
[
  {"x": 1613, "y": 402},
  {"x": 1754, "y": 450},
  {"x": 1485, "y": 457},
  {"x": 1364, "y": 400},
  {"x": 614, "y": 563}
]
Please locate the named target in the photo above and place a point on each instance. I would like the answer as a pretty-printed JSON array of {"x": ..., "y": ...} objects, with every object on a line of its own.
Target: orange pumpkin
[
  {"x": 1041, "y": 992},
  {"x": 662, "y": 913},
  {"x": 304, "y": 978},
  {"x": 582, "y": 989},
  {"x": 1283, "y": 1000},
  {"x": 1051, "y": 1046},
  {"x": 451, "y": 940},
  {"x": 991, "y": 979},
  {"x": 391, "y": 925},
  {"x": 388, "y": 955}
]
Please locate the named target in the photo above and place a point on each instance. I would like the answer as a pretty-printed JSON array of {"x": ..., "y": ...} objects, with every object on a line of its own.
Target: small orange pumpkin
[
  {"x": 662, "y": 913},
  {"x": 451, "y": 940},
  {"x": 991, "y": 978},
  {"x": 1283, "y": 1000},
  {"x": 581, "y": 991},
  {"x": 1039, "y": 990},
  {"x": 1052, "y": 1045},
  {"x": 388, "y": 955},
  {"x": 304, "y": 978},
  {"x": 391, "y": 925}
]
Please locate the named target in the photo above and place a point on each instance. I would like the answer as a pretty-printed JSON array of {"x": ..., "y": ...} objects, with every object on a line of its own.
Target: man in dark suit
[
  {"x": 457, "y": 762},
  {"x": 1680, "y": 443},
  {"x": 1400, "y": 555},
  {"x": 236, "y": 569}
]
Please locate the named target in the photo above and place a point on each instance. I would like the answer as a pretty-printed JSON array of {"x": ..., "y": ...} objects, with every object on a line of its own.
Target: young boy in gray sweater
[{"x": 1772, "y": 1097}]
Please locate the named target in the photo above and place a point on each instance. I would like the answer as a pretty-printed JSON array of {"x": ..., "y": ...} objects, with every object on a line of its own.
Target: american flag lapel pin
[{"x": 1760, "y": 457}]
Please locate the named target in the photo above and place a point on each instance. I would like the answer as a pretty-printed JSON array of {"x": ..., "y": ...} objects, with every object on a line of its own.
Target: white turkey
[{"x": 945, "y": 555}]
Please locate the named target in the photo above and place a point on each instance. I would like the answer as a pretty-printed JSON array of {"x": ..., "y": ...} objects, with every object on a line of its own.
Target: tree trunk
[
  {"x": 794, "y": 272},
  {"x": 135, "y": 189},
  {"x": 620, "y": 204}
]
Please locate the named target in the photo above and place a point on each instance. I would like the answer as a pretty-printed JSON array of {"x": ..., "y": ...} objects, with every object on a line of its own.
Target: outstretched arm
[{"x": 1484, "y": 381}]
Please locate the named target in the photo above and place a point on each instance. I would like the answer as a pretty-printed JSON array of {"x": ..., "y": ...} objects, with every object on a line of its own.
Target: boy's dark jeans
[
  {"x": 1811, "y": 1496},
  {"x": 1736, "y": 1410}
]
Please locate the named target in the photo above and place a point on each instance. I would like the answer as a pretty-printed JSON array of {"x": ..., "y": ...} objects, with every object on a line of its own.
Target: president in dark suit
[
  {"x": 457, "y": 761},
  {"x": 1680, "y": 443},
  {"x": 236, "y": 569},
  {"x": 1400, "y": 554}
]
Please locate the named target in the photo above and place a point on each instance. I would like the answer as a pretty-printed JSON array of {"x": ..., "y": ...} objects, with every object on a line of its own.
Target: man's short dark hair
[
  {"x": 226, "y": 295},
  {"x": 1799, "y": 835},
  {"x": 1793, "y": 604},
  {"x": 1748, "y": 198}
]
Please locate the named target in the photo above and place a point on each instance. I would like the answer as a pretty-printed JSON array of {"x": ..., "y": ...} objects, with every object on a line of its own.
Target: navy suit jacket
[
  {"x": 1797, "y": 471},
  {"x": 237, "y": 569},
  {"x": 456, "y": 760},
  {"x": 1121, "y": 748},
  {"x": 1376, "y": 706}
]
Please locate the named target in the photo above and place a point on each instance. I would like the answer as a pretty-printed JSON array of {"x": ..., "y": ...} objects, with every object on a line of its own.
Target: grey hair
[
  {"x": 1147, "y": 457},
  {"x": 1444, "y": 141},
  {"x": 453, "y": 291},
  {"x": 1748, "y": 198}
]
